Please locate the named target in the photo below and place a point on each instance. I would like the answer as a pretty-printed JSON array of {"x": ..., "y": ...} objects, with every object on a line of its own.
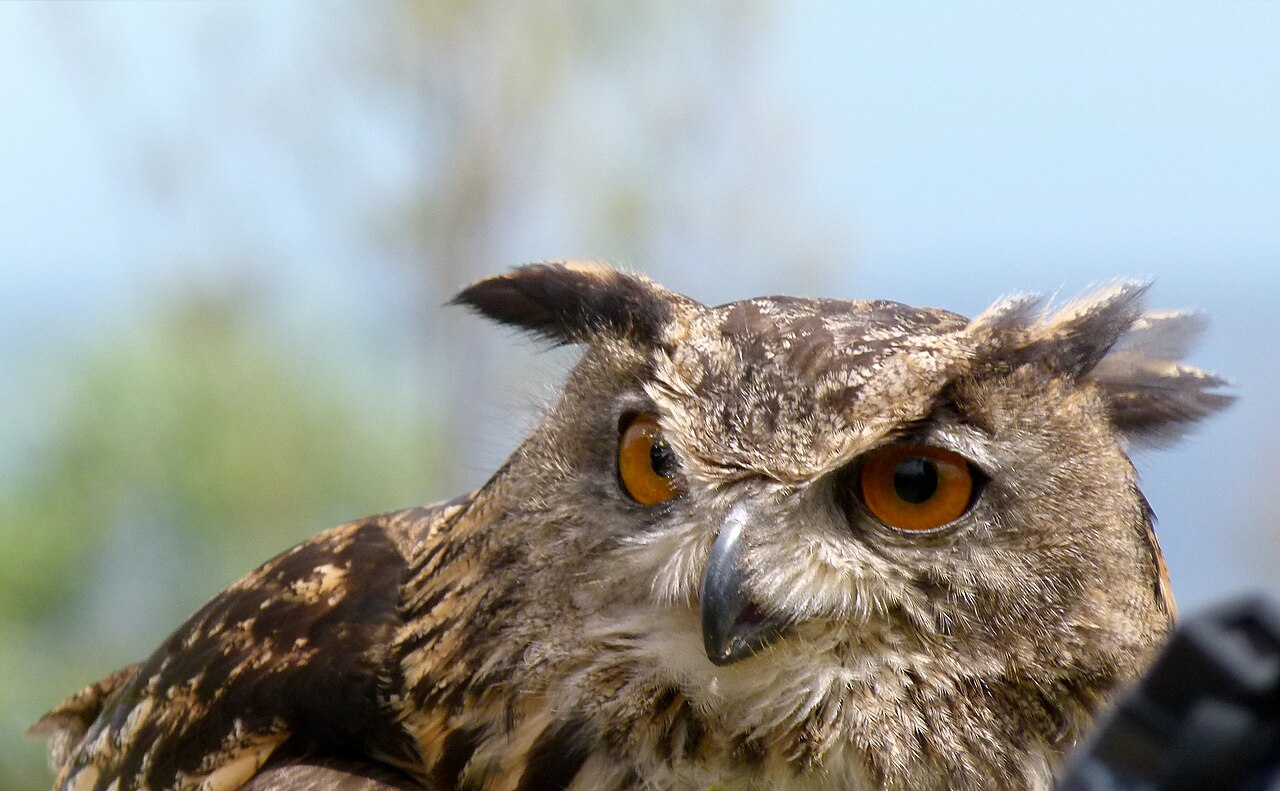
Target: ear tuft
[
  {"x": 572, "y": 302},
  {"x": 1153, "y": 397},
  {"x": 1079, "y": 335},
  {"x": 1105, "y": 338}
]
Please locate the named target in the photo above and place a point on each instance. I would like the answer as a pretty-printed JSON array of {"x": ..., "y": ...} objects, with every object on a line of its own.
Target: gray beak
[{"x": 733, "y": 626}]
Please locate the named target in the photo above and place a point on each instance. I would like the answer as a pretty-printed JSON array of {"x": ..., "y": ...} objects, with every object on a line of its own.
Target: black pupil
[
  {"x": 662, "y": 459},
  {"x": 915, "y": 480}
]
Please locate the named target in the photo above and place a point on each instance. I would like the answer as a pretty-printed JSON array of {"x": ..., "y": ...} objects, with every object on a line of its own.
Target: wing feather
[{"x": 296, "y": 653}]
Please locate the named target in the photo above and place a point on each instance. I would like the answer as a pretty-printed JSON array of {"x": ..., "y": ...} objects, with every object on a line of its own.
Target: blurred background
[{"x": 227, "y": 232}]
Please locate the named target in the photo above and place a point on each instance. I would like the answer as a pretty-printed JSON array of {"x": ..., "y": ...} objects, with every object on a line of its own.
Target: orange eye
[
  {"x": 915, "y": 487},
  {"x": 646, "y": 464}
]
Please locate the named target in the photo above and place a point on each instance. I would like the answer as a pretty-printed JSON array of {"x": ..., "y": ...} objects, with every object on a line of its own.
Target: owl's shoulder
[{"x": 298, "y": 651}]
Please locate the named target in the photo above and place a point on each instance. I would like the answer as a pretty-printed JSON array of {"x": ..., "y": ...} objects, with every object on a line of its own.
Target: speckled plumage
[{"x": 543, "y": 632}]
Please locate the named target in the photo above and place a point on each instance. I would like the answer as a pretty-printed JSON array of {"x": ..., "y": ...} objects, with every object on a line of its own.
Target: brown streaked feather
[
  {"x": 296, "y": 652},
  {"x": 1163, "y": 585},
  {"x": 67, "y": 722}
]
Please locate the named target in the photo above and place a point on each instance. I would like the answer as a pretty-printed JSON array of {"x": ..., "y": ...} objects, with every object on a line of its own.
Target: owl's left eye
[
  {"x": 646, "y": 464},
  {"x": 916, "y": 487}
]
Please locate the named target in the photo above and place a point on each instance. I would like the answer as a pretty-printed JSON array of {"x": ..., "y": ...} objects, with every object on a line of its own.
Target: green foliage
[{"x": 180, "y": 454}]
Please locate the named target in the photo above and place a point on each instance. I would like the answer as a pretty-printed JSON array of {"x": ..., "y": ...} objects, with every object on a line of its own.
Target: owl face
[
  {"x": 805, "y": 512},
  {"x": 868, "y": 469}
]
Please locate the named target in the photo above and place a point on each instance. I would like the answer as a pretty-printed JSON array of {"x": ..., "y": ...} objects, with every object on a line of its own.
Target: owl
[{"x": 782, "y": 543}]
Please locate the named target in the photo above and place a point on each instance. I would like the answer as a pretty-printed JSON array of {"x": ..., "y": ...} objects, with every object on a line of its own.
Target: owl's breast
[{"x": 652, "y": 712}]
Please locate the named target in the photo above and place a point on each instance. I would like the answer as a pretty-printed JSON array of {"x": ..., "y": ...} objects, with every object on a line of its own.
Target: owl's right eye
[{"x": 647, "y": 466}]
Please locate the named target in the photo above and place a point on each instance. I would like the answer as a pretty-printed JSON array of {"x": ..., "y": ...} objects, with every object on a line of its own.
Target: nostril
[{"x": 752, "y": 615}]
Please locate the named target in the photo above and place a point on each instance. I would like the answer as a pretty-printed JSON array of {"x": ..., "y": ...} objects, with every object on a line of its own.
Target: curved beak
[{"x": 733, "y": 626}]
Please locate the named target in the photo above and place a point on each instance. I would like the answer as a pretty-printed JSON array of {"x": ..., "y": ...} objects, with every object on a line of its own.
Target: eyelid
[
  {"x": 968, "y": 441},
  {"x": 629, "y": 403}
]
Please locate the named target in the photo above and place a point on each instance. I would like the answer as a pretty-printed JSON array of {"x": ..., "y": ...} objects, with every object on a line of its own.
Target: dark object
[{"x": 1205, "y": 716}]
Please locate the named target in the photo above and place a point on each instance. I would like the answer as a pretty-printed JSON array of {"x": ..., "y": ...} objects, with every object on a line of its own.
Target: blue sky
[
  {"x": 953, "y": 152},
  {"x": 1068, "y": 137}
]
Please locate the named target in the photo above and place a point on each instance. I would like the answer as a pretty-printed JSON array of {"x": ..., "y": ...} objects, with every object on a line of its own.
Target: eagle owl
[{"x": 781, "y": 543}]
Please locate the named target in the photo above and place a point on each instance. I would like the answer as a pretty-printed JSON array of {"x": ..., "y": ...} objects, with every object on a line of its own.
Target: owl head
[{"x": 831, "y": 522}]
